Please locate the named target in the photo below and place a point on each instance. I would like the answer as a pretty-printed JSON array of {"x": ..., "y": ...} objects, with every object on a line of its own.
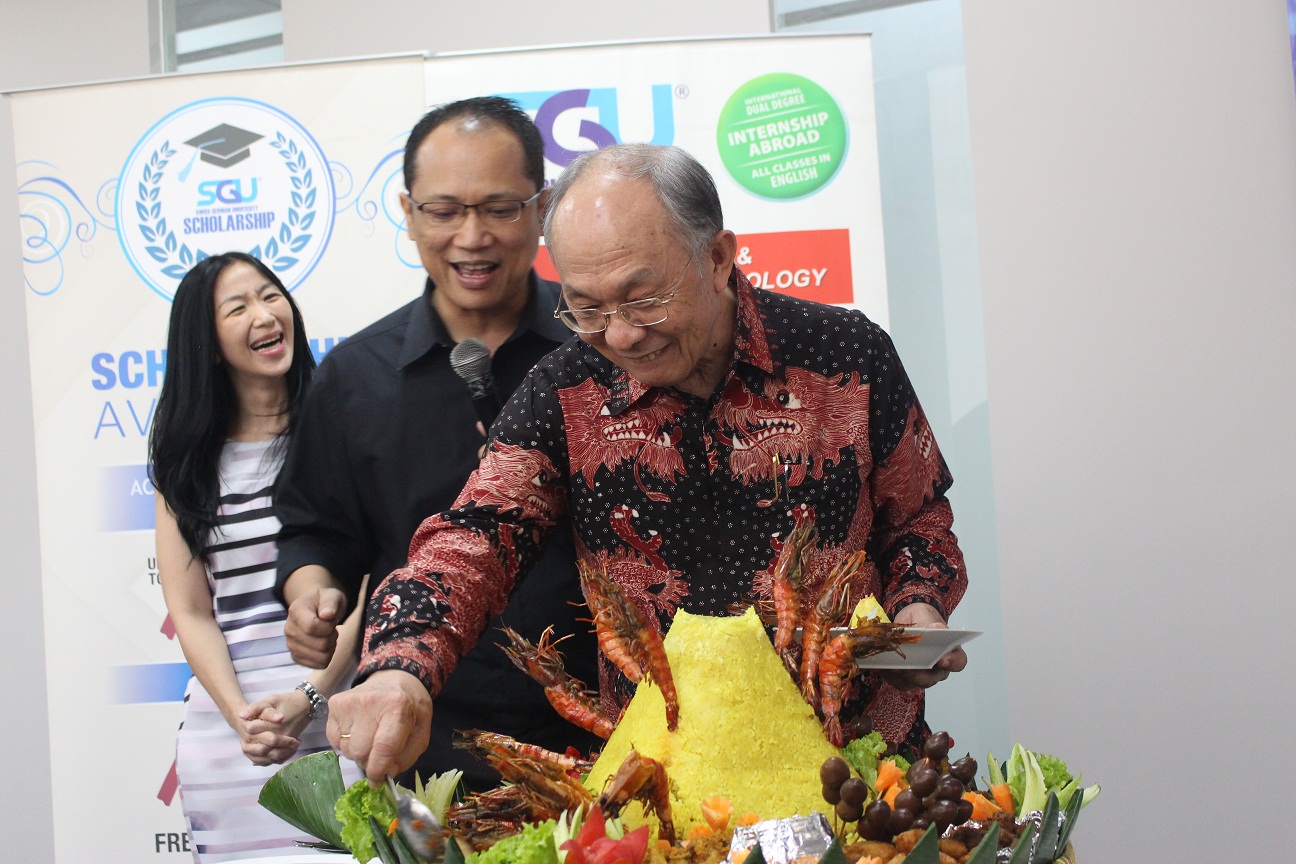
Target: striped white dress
[{"x": 218, "y": 785}]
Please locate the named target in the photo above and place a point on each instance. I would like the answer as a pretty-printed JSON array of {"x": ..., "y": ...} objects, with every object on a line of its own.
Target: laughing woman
[{"x": 237, "y": 368}]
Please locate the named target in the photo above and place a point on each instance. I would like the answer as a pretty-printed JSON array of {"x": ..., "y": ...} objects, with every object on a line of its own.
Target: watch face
[{"x": 318, "y": 704}]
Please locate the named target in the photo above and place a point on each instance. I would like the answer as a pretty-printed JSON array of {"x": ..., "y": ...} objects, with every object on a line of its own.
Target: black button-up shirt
[{"x": 387, "y": 438}]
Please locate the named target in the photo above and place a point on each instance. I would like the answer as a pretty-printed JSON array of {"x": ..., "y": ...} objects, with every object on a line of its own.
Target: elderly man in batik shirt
[{"x": 691, "y": 425}]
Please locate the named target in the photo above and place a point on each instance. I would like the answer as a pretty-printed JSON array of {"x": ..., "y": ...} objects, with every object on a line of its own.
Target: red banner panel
[{"x": 813, "y": 265}]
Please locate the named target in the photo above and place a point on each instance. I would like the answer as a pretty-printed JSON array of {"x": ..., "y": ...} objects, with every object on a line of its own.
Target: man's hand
[
  {"x": 924, "y": 615},
  {"x": 311, "y": 629},
  {"x": 383, "y": 725}
]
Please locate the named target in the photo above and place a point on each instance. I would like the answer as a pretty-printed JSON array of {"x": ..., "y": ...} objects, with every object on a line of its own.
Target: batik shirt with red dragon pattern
[{"x": 684, "y": 500}]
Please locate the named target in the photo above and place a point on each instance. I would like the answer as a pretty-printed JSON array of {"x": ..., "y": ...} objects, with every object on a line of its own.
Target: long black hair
[{"x": 198, "y": 402}]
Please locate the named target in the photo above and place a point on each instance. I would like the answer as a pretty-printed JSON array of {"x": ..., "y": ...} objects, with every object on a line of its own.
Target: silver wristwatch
[{"x": 318, "y": 704}]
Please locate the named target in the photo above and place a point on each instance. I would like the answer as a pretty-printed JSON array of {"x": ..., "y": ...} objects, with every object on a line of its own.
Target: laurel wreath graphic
[{"x": 279, "y": 252}]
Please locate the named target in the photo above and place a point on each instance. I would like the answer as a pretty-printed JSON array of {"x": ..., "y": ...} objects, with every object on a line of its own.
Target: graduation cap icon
[{"x": 223, "y": 145}]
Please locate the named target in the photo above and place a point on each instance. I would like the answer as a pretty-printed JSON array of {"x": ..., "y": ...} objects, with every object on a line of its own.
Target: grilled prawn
[
  {"x": 789, "y": 573},
  {"x": 643, "y": 779},
  {"x": 568, "y": 695},
  {"x": 627, "y": 638},
  {"x": 831, "y": 607},
  {"x": 838, "y": 667}
]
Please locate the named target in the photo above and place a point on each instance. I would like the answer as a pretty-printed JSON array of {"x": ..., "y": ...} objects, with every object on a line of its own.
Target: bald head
[{"x": 680, "y": 184}]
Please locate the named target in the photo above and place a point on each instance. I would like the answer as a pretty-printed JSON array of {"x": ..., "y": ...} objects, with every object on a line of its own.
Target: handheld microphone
[{"x": 471, "y": 361}]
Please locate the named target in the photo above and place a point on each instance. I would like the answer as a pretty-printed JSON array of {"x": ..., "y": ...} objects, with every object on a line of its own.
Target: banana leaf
[
  {"x": 303, "y": 794},
  {"x": 382, "y": 845},
  {"x": 391, "y": 848},
  {"x": 834, "y": 855},
  {"x": 1046, "y": 844},
  {"x": 1069, "y": 818},
  {"x": 1026, "y": 842},
  {"x": 404, "y": 852},
  {"x": 455, "y": 855},
  {"x": 927, "y": 849},
  {"x": 988, "y": 848}
]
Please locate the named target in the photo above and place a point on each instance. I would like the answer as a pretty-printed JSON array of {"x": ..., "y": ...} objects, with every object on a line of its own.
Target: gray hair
[{"x": 682, "y": 185}]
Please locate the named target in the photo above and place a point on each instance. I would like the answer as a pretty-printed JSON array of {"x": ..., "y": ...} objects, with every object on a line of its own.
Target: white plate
[{"x": 936, "y": 643}]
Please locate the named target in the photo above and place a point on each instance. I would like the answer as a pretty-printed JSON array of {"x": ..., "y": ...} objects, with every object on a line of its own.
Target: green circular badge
[{"x": 781, "y": 136}]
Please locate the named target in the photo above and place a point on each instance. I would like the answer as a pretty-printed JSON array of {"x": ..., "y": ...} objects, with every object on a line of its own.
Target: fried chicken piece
[
  {"x": 906, "y": 841},
  {"x": 870, "y": 848},
  {"x": 953, "y": 848}
]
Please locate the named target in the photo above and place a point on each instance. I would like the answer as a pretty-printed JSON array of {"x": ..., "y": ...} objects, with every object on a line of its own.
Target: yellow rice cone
[{"x": 744, "y": 731}]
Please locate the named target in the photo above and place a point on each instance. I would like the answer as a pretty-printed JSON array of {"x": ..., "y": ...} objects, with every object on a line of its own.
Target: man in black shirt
[{"x": 389, "y": 434}]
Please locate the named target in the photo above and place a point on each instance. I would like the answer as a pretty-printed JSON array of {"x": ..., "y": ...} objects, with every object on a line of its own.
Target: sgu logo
[
  {"x": 569, "y": 118},
  {"x": 225, "y": 191},
  {"x": 177, "y": 196}
]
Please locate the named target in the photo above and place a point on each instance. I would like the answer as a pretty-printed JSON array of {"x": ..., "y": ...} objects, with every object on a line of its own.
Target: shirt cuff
[
  {"x": 908, "y": 597},
  {"x": 407, "y": 655}
]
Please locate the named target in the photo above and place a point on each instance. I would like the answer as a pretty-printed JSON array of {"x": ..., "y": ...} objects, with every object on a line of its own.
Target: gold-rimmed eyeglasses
[
  {"x": 447, "y": 214},
  {"x": 636, "y": 313}
]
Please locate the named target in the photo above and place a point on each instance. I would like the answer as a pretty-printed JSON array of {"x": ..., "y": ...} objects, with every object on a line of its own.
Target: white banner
[
  {"x": 785, "y": 125},
  {"x": 121, "y": 186}
]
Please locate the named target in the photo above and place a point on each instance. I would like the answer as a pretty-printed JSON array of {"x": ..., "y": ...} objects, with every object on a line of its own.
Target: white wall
[
  {"x": 1135, "y": 166},
  {"x": 315, "y": 29},
  {"x": 41, "y": 44},
  {"x": 24, "y": 721},
  {"x": 67, "y": 41}
]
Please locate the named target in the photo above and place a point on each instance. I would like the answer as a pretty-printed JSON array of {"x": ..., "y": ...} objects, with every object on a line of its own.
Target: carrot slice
[
  {"x": 982, "y": 807},
  {"x": 1003, "y": 797},
  {"x": 697, "y": 832},
  {"x": 889, "y": 774},
  {"x": 716, "y": 810},
  {"x": 891, "y": 794},
  {"x": 748, "y": 818}
]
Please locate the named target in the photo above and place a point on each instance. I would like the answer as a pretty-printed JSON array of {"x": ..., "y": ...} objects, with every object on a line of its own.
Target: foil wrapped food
[
  {"x": 784, "y": 840},
  {"x": 1026, "y": 830}
]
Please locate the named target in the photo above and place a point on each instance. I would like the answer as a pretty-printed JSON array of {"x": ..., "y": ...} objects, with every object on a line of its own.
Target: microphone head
[{"x": 471, "y": 360}]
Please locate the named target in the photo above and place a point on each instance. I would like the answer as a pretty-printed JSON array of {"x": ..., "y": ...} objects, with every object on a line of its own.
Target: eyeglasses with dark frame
[
  {"x": 636, "y": 313},
  {"x": 445, "y": 214}
]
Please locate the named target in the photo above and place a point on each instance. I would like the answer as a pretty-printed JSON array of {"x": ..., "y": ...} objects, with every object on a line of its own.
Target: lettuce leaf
[
  {"x": 357, "y": 804},
  {"x": 863, "y": 754},
  {"x": 1015, "y": 771},
  {"x": 1054, "y": 770},
  {"x": 1035, "y": 794},
  {"x": 533, "y": 846},
  {"x": 900, "y": 762},
  {"x": 1033, "y": 776}
]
